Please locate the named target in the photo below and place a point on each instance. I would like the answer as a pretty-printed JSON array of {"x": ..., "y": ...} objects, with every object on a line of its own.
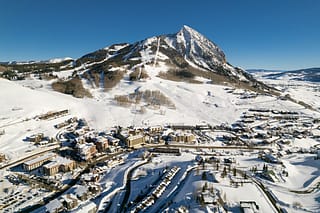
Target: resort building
[{"x": 37, "y": 162}]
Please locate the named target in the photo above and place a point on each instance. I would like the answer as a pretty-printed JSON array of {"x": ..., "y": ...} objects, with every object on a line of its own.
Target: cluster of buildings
[
  {"x": 266, "y": 126},
  {"x": 76, "y": 198},
  {"x": 256, "y": 127},
  {"x": 158, "y": 191},
  {"x": 67, "y": 203},
  {"x": 136, "y": 137},
  {"x": 88, "y": 144}
]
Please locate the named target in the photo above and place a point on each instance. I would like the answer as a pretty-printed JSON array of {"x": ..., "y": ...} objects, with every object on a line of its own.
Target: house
[{"x": 51, "y": 168}]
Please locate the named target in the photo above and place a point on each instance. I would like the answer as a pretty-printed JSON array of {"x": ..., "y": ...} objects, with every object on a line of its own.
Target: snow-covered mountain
[
  {"x": 184, "y": 56},
  {"x": 196, "y": 48}
]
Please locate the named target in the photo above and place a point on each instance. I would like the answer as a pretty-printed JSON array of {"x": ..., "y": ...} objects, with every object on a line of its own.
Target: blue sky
[{"x": 270, "y": 34}]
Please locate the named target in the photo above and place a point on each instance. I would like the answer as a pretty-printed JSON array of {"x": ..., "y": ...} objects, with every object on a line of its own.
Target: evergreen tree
[{"x": 224, "y": 173}]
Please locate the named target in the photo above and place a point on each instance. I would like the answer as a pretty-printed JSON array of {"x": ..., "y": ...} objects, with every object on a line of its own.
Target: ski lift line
[
  {"x": 157, "y": 52},
  {"x": 139, "y": 73}
]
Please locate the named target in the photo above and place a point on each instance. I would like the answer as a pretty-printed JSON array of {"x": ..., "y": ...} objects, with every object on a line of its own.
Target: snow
[
  {"x": 34, "y": 97},
  {"x": 116, "y": 47},
  {"x": 54, "y": 206},
  {"x": 22, "y": 101},
  {"x": 301, "y": 90},
  {"x": 59, "y": 60},
  {"x": 194, "y": 46},
  {"x": 87, "y": 207}
]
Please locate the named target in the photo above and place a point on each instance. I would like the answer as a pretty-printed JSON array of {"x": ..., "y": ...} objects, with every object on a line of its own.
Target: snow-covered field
[
  {"x": 22, "y": 101},
  {"x": 307, "y": 92}
]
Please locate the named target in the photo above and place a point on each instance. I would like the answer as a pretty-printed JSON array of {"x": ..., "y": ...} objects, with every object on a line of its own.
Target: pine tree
[
  {"x": 245, "y": 175},
  {"x": 224, "y": 173}
]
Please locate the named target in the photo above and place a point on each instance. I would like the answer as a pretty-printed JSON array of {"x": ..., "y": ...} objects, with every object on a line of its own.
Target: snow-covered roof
[
  {"x": 80, "y": 190},
  {"x": 53, "y": 206},
  {"x": 88, "y": 207},
  {"x": 41, "y": 158},
  {"x": 58, "y": 161}
]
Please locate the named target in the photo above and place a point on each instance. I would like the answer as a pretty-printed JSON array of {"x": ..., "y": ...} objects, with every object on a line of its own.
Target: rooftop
[{"x": 41, "y": 158}]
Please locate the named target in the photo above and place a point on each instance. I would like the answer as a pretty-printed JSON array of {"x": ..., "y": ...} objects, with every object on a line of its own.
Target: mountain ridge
[{"x": 184, "y": 56}]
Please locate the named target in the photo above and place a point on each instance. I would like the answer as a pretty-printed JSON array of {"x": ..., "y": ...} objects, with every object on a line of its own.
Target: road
[
  {"x": 267, "y": 194},
  {"x": 128, "y": 186},
  {"x": 214, "y": 147}
]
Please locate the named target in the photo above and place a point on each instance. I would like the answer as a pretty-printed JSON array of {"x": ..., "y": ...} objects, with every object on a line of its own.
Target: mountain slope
[{"x": 196, "y": 48}]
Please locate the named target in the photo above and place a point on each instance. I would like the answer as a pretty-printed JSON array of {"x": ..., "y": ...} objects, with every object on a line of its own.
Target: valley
[{"x": 165, "y": 124}]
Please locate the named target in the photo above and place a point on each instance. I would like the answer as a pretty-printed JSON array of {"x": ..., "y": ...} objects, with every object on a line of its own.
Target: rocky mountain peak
[{"x": 197, "y": 49}]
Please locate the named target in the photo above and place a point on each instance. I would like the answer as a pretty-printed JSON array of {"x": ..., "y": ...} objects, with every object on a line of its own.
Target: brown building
[
  {"x": 2, "y": 157},
  {"x": 37, "y": 162},
  {"x": 135, "y": 140},
  {"x": 51, "y": 168},
  {"x": 156, "y": 129},
  {"x": 102, "y": 144},
  {"x": 113, "y": 141},
  {"x": 59, "y": 164},
  {"x": 36, "y": 138},
  {"x": 86, "y": 151},
  {"x": 183, "y": 137}
]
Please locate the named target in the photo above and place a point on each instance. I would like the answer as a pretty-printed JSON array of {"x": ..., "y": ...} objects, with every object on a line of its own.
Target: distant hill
[{"x": 309, "y": 74}]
